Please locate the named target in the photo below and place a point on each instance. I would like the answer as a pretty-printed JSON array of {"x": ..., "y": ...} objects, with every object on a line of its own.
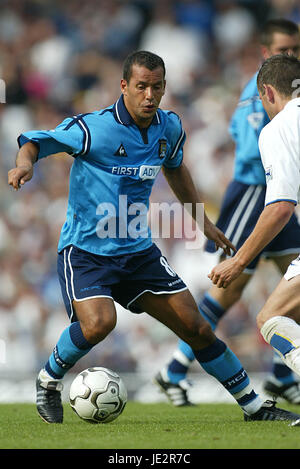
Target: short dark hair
[
  {"x": 142, "y": 58},
  {"x": 279, "y": 25},
  {"x": 280, "y": 71}
]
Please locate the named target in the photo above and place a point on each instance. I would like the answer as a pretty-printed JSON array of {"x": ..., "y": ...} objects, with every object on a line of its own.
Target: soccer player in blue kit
[
  {"x": 242, "y": 204},
  {"x": 118, "y": 151}
]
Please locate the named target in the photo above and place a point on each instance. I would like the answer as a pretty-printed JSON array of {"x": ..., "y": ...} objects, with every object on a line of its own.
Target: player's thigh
[
  {"x": 284, "y": 301},
  {"x": 97, "y": 317},
  {"x": 226, "y": 297},
  {"x": 179, "y": 312},
  {"x": 282, "y": 262}
]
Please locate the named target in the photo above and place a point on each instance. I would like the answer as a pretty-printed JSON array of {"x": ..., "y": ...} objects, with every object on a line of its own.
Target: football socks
[
  {"x": 70, "y": 347},
  {"x": 183, "y": 356},
  {"x": 221, "y": 363}
]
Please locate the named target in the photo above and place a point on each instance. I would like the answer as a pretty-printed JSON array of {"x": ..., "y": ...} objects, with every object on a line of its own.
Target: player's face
[
  {"x": 143, "y": 93},
  {"x": 283, "y": 44}
]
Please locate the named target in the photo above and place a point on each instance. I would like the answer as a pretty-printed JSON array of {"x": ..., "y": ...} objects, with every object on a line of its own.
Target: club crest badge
[
  {"x": 269, "y": 173},
  {"x": 162, "y": 151}
]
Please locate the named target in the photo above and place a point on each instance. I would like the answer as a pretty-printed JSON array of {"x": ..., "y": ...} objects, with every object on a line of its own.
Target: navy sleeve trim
[
  {"x": 86, "y": 145},
  {"x": 87, "y": 137},
  {"x": 282, "y": 200},
  {"x": 26, "y": 140},
  {"x": 179, "y": 142}
]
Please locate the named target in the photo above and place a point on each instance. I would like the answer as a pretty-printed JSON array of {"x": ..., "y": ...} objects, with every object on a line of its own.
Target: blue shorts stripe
[
  {"x": 67, "y": 284},
  {"x": 247, "y": 214},
  {"x": 238, "y": 212}
]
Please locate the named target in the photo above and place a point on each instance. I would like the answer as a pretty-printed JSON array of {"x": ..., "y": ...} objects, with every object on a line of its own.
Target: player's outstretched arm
[
  {"x": 271, "y": 221},
  {"x": 23, "y": 171},
  {"x": 181, "y": 182}
]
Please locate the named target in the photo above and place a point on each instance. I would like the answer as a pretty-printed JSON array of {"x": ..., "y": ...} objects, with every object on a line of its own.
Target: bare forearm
[
  {"x": 27, "y": 155},
  {"x": 23, "y": 171},
  {"x": 183, "y": 186},
  {"x": 272, "y": 220},
  {"x": 185, "y": 190}
]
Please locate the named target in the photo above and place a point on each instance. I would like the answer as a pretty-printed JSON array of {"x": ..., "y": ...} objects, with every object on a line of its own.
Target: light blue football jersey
[
  {"x": 246, "y": 124},
  {"x": 115, "y": 166}
]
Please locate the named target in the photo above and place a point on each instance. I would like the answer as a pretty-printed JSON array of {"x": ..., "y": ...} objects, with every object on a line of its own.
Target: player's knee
[
  {"x": 199, "y": 334},
  {"x": 206, "y": 333},
  {"x": 259, "y": 320},
  {"x": 97, "y": 328},
  {"x": 264, "y": 315}
]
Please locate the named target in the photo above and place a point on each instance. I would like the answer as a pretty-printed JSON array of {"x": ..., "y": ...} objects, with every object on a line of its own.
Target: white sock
[
  {"x": 44, "y": 377},
  {"x": 283, "y": 334},
  {"x": 254, "y": 405}
]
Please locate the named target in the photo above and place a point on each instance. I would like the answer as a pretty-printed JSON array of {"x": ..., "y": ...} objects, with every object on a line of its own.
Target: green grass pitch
[{"x": 147, "y": 426}]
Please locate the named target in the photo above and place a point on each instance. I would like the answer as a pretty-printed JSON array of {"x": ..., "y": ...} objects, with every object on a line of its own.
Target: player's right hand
[
  {"x": 224, "y": 273},
  {"x": 213, "y": 233},
  {"x": 18, "y": 176}
]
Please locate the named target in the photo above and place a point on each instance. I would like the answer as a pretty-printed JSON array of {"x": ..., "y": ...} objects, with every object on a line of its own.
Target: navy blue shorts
[
  {"x": 123, "y": 278},
  {"x": 240, "y": 210}
]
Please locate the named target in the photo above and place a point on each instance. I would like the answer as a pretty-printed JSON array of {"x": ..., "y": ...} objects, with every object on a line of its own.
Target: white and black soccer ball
[{"x": 98, "y": 395}]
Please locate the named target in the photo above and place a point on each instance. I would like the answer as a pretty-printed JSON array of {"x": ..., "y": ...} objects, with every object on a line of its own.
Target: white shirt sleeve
[{"x": 280, "y": 149}]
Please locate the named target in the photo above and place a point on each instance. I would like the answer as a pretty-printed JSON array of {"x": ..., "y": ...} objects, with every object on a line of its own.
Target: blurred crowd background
[{"x": 63, "y": 57}]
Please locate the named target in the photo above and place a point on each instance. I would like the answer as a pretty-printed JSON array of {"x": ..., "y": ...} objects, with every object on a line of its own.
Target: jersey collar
[{"x": 123, "y": 117}]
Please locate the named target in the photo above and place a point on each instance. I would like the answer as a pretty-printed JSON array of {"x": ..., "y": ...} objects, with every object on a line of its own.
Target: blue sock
[
  {"x": 211, "y": 310},
  {"x": 180, "y": 363},
  {"x": 219, "y": 361},
  {"x": 183, "y": 356},
  {"x": 282, "y": 373},
  {"x": 70, "y": 347}
]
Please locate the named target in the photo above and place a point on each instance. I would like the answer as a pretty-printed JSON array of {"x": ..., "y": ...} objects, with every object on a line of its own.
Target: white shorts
[{"x": 293, "y": 269}]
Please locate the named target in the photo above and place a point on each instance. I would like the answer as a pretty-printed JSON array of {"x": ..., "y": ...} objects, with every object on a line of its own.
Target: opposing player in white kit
[
  {"x": 279, "y": 144},
  {"x": 241, "y": 206}
]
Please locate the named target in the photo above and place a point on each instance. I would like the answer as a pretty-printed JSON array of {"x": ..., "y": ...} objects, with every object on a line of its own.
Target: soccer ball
[{"x": 98, "y": 395}]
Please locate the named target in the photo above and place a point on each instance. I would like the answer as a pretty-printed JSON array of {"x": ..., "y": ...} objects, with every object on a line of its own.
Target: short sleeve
[
  {"x": 177, "y": 140},
  {"x": 71, "y": 136},
  {"x": 280, "y": 157}
]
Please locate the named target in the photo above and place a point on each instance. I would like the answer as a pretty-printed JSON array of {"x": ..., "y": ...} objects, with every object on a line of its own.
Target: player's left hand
[{"x": 225, "y": 272}]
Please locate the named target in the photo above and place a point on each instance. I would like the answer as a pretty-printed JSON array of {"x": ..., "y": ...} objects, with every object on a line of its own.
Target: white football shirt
[{"x": 279, "y": 145}]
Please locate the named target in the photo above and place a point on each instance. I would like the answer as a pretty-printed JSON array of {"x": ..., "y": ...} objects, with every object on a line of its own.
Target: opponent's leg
[
  {"x": 282, "y": 381},
  {"x": 179, "y": 312},
  {"x": 278, "y": 322}
]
